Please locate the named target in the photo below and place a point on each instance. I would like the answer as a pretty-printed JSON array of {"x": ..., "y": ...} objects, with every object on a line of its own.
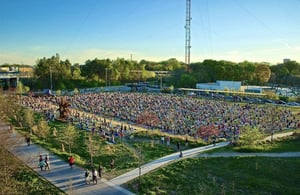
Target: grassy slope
[
  {"x": 22, "y": 180},
  {"x": 251, "y": 175},
  {"x": 230, "y": 175}
]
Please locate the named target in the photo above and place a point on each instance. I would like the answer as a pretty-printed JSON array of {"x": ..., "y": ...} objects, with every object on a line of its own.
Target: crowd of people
[
  {"x": 170, "y": 113},
  {"x": 181, "y": 115}
]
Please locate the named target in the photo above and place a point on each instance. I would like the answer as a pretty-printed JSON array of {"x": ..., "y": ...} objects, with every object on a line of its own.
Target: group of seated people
[{"x": 168, "y": 113}]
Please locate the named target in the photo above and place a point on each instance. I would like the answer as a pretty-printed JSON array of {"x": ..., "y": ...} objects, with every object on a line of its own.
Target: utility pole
[
  {"x": 188, "y": 34},
  {"x": 51, "y": 86},
  {"x": 105, "y": 77}
]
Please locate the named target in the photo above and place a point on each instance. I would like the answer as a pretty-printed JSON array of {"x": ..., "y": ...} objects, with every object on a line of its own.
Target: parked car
[
  {"x": 281, "y": 102},
  {"x": 293, "y": 104}
]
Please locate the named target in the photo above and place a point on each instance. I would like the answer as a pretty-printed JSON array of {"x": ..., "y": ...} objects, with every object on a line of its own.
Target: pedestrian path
[
  {"x": 163, "y": 161},
  {"x": 72, "y": 181},
  {"x": 279, "y": 135},
  {"x": 264, "y": 154}
]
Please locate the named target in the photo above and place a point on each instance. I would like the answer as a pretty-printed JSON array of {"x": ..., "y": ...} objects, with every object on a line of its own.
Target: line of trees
[{"x": 103, "y": 72}]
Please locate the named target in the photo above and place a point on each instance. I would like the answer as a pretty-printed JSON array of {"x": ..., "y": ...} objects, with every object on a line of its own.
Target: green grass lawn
[
  {"x": 223, "y": 176},
  {"x": 234, "y": 175},
  {"x": 284, "y": 144}
]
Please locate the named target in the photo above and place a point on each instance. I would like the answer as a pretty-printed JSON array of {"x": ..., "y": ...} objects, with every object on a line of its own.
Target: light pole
[
  {"x": 105, "y": 77},
  {"x": 51, "y": 80}
]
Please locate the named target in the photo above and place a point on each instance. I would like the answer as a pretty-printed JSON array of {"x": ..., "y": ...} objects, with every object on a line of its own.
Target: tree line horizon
[{"x": 103, "y": 72}]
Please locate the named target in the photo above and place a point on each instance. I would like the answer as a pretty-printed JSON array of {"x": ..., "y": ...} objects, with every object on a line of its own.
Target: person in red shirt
[{"x": 71, "y": 161}]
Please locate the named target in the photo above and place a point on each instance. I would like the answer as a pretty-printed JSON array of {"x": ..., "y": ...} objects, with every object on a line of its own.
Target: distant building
[
  {"x": 285, "y": 60},
  {"x": 220, "y": 85}
]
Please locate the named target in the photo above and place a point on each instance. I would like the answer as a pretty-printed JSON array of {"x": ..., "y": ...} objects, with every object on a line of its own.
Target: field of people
[{"x": 134, "y": 128}]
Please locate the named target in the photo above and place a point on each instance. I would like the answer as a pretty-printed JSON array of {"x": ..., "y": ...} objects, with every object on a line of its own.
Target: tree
[
  {"x": 42, "y": 130},
  {"x": 250, "y": 135},
  {"x": 281, "y": 74},
  {"x": 49, "y": 72},
  {"x": 92, "y": 147},
  {"x": 187, "y": 80},
  {"x": 21, "y": 88},
  {"x": 69, "y": 137},
  {"x": 262, "y": 73},
  {"x": 293, "y": 67},
  {"x": 76, "y": 72},
  {"x": 29, "y": 119}
]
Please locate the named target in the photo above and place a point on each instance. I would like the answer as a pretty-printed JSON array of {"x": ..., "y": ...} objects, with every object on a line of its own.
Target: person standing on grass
[
  {"x": 100, "y": 169},
  {"x": 112, "y": 164}
]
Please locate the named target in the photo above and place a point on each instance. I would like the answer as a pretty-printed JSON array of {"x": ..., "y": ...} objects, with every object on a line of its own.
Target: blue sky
[{"x": 234, "y": 30}]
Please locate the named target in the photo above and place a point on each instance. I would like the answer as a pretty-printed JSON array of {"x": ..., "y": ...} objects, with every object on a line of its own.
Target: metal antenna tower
[{"x": 188, "y": 33}]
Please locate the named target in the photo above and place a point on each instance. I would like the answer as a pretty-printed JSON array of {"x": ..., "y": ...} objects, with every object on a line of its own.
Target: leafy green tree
[
  {"x": 248, "y": 71},
  {"x": 29, "y": 119},
  {"x": 281, "y": 74},
  {"x": 93, "y": 147},
  {"x": 263, "y": 73},
  {"x": 250, "y": 136},
  {"x": 52, "y": 71},
  {"x": 69, "y": 137},
  {"x": 21, "y": 88},
  {"x": 8, "y": 106},
  {"x": 187, "y": 80},
  {"x": 293, "y": 67},
  {"x": 76, "y": 72},
  {"x": 43, "y": 129}
]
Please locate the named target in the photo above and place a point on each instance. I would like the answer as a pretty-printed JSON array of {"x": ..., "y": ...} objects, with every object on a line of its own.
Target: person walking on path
[
  {"x": 28, "y": 140},
  {"x": 94, "y": 174},
  {"x": 71, "y": 161},
  {"x": 47, "y": 162},
  {"x": 41, "y": 163},
  {"x": 87, "y": 176},
  {"x": 180, "y": 154}
]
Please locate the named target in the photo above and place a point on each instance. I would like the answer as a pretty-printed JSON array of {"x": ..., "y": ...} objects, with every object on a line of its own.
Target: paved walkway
[
  {"x": 163, "y": 161},
  {"x": 279, "y": 135},
  {"x": 71, "y": 180},
  {"x": 265, "y": 154}
]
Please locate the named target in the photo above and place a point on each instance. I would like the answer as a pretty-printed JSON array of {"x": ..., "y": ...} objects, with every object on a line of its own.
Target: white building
[{"x": 220, "y": 85}]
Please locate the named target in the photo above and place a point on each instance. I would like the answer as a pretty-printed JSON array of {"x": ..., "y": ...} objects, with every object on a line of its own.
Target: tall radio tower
[{"x": 188, "y": 34}]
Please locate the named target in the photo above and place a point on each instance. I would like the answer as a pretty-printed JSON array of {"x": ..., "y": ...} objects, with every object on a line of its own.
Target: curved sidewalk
[
  {"x": 161, "y": 162},
  {"x": 255, "y": 154},
  {"x": 72, "y": 181}
]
